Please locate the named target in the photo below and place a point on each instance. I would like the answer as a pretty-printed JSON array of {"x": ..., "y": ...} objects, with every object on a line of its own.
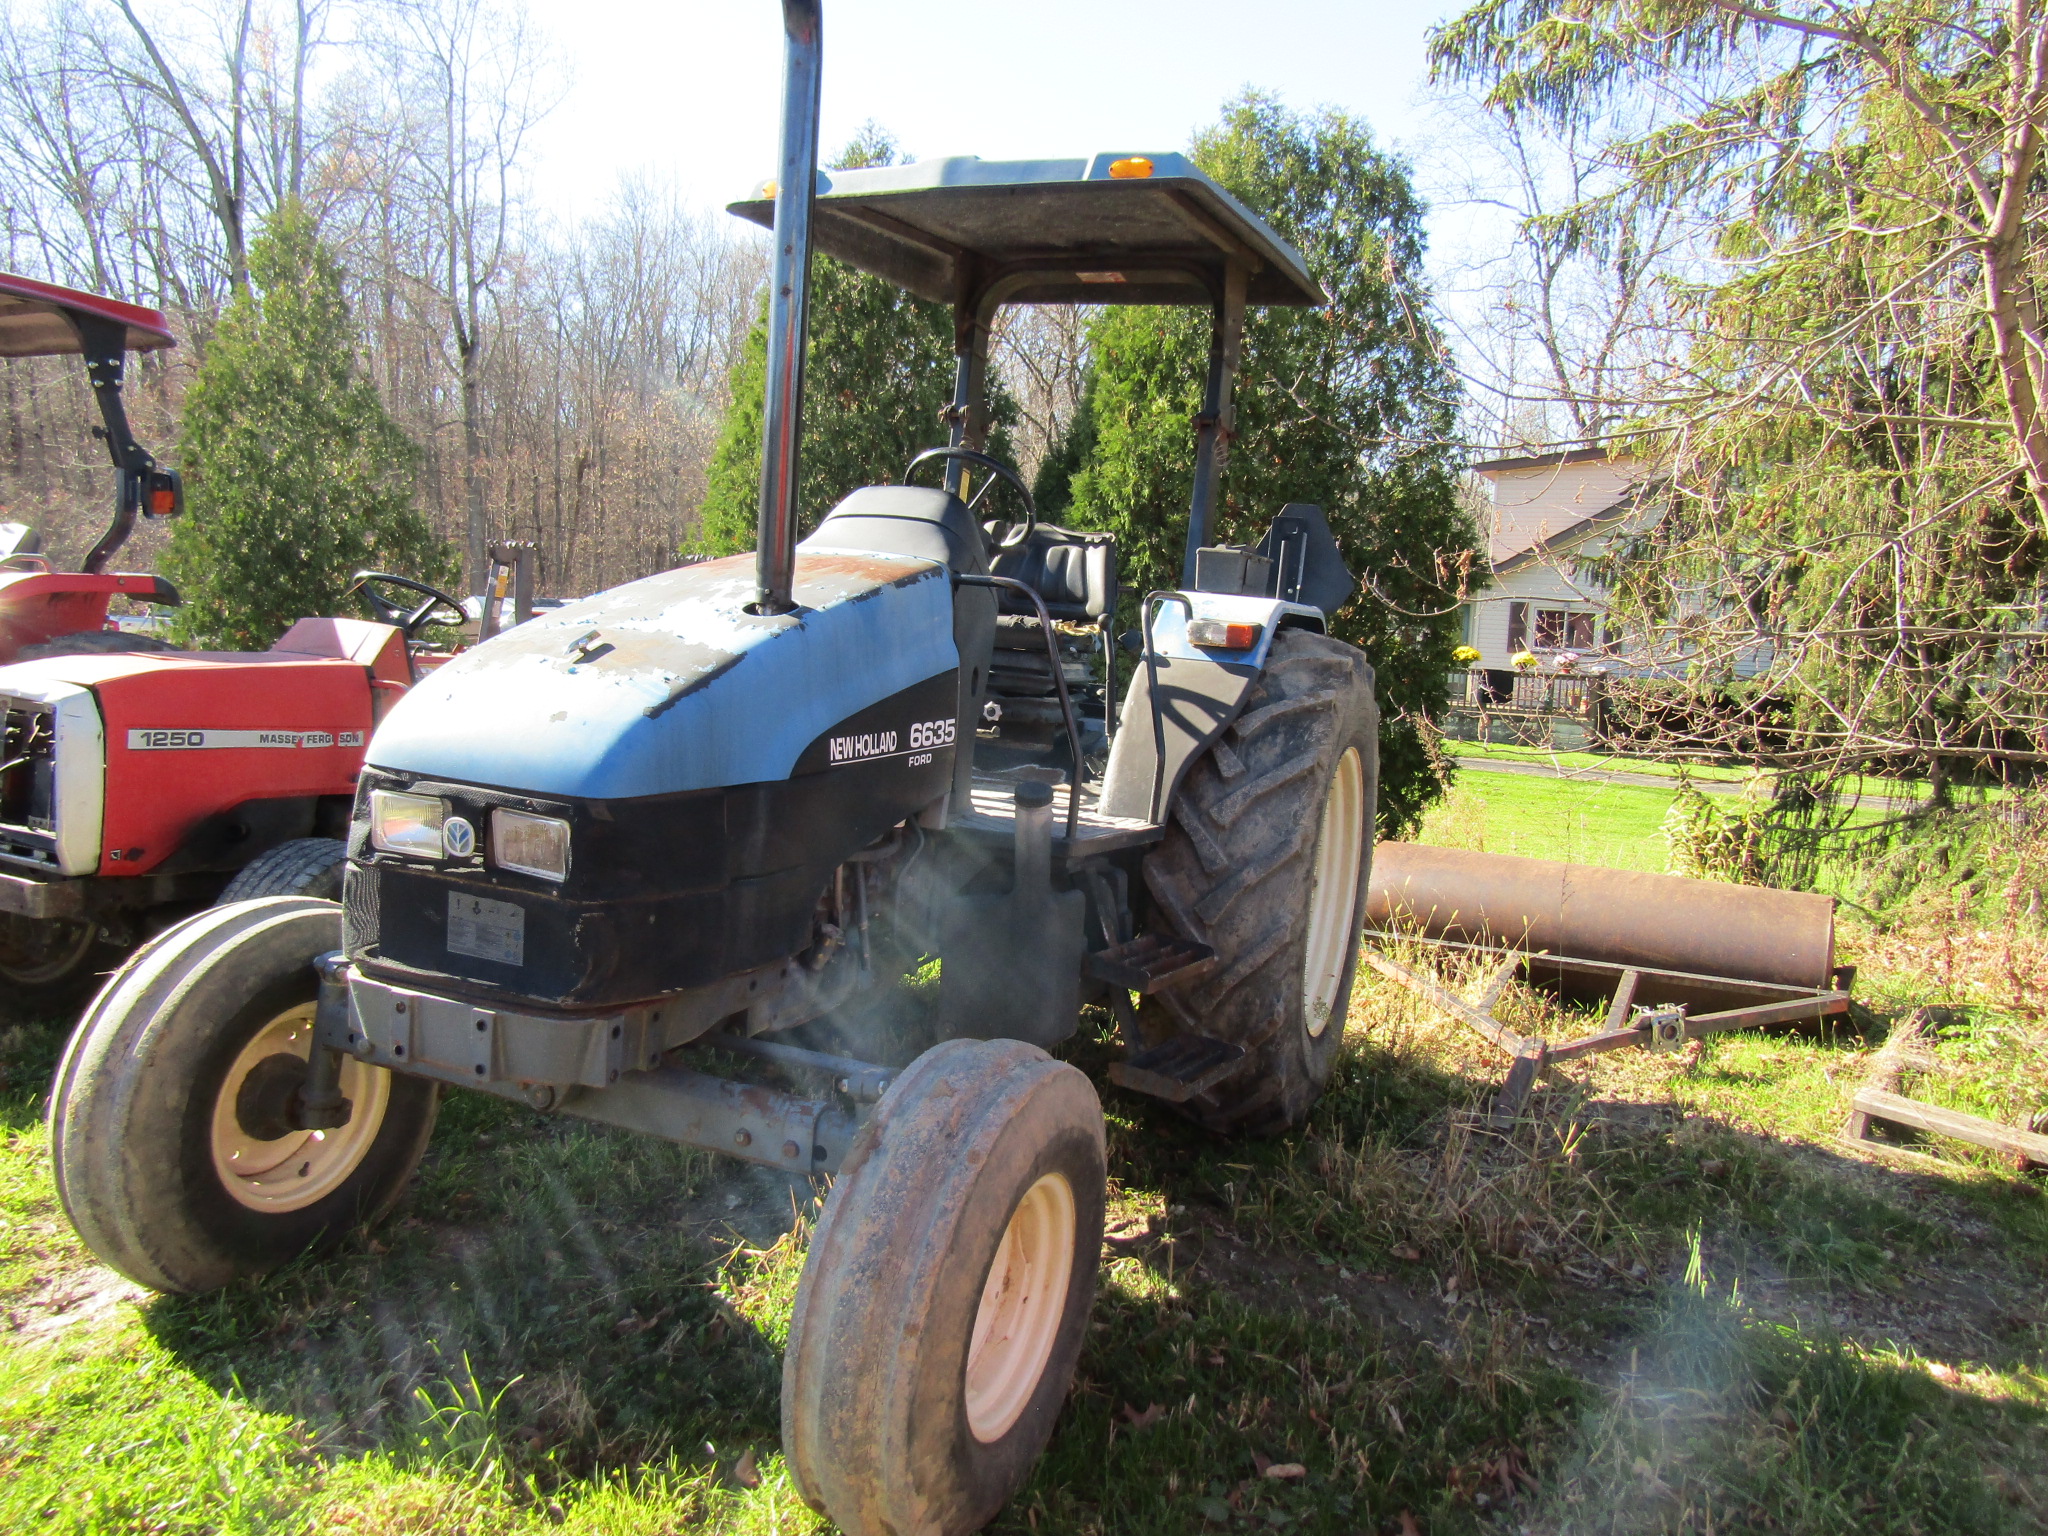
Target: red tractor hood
[{"x": 188, "y": 735}]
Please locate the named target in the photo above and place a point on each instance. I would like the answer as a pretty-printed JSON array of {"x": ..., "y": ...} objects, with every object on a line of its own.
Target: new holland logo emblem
[{"x": 458, "y": 838}]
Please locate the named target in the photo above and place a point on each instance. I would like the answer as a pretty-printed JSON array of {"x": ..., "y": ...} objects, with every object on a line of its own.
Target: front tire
[
  {"x": 1266, "y": 856},
  {"x": 945, "y": 1299},
  {"x": 171, "y": 1154}
]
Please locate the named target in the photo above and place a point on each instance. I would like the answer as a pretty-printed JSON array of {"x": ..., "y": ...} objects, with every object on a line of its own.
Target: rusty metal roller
[{"x": 1619, "y": 916}]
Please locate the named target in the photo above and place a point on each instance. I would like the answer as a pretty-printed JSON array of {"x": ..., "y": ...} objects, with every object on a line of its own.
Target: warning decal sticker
[{"x": 488, "y": 930}]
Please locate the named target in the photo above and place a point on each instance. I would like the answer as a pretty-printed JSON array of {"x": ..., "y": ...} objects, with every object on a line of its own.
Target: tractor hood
[{"x": 668, "y": 684}]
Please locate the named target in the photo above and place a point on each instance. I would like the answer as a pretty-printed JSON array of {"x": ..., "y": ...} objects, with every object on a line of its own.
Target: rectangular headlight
[
  {"x": 402, "y": 823},
  {"x": 531, "y": 845}
]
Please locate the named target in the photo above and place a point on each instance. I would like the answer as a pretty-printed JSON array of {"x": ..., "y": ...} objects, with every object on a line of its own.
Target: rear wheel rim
[
  {"x": 1023, "y": 1302},
  {"x": 1333, "y": 891},
  {"x": 35, "y": 952},
  {"x": 291, "y": 1172}
]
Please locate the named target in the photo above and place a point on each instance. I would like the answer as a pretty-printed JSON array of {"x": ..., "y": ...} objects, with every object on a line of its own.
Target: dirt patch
[{"x": 68, "y": 1298}]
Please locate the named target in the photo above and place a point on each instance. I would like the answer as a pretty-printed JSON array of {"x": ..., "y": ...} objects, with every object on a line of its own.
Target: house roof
[
  {"x": 1544, "y": 502},
  {"x": 1534, "y": 549},
  {"x": 1549, "y": 460}
]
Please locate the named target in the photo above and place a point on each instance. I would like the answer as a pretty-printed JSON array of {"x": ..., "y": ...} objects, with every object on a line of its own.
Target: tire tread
[
  {"x": 1232, "y": 873},
  {"x": 304, "y": 866}
]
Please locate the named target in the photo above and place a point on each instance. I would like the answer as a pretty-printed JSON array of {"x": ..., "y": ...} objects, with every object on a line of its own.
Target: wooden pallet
[{"x": 2021, "y": 1148}]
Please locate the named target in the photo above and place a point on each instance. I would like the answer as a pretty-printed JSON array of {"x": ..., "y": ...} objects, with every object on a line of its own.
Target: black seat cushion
[{"x": 1075, "y": 573}]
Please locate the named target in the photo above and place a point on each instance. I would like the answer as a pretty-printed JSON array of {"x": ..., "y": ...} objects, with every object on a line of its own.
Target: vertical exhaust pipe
[{"x": 788, "y": 306}]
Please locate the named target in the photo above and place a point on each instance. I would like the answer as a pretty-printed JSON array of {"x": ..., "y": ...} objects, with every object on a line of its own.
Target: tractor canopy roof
[
  {"x": 35, "y": 319},
  {"x": 1116, "y": 229}
]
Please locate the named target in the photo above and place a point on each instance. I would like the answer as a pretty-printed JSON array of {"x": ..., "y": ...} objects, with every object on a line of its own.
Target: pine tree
[
  {"x": 297, "y": 477},
  {"x": 877, "y": 379},
  {"x": 1351, "y": 407}
]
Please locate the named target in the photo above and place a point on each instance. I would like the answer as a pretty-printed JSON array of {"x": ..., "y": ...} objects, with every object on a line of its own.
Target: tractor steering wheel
[
  {"x": 995, "y": 467},
  {"x": 408, "y": 622}
]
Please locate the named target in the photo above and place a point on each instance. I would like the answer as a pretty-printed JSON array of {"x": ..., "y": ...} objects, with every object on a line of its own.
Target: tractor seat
[{"x": 1074, "y": 573}]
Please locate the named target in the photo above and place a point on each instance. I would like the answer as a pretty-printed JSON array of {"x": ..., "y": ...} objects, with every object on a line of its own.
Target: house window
[{"x": 1563, "y": 629}]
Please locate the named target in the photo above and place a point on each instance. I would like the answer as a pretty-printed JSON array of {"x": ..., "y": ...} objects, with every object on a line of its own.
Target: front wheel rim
[
  {"x": 293, "y": 1171},
  {"x": 1333, "y": 891},
  {"x": 1023, "y": 1302}
]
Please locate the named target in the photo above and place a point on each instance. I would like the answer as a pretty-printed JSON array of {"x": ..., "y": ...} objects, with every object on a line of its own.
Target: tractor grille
[{"x": 28, "y": 781}]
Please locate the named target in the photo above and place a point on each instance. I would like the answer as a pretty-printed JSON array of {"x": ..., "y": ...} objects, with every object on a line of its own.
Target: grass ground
[
  {"x": 1604, "y": 761},
  {"x": 1672, "y": 1301},
  {"x": 1855, "y": 784},
  {"x": 1586, "y": 821}
]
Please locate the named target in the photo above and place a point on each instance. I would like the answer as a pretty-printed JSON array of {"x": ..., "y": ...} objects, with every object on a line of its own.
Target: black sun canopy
[{"x": 1130, "y": 229}]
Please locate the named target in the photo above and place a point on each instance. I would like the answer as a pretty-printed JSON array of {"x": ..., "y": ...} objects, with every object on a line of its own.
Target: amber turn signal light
[
  {"x": 1215, "y": 635},
  {"x": 1131, "y": 168}
]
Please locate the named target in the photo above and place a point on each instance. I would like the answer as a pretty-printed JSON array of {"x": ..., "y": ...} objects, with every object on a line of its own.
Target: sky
[{"x": 687, "y": 92}]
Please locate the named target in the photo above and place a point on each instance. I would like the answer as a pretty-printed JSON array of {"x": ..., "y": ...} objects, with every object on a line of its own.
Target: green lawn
[
  {"x": 1861, "y": 784},
  {"x": 1586, "y": 821},
  {"x": 1598, "y": 760}
]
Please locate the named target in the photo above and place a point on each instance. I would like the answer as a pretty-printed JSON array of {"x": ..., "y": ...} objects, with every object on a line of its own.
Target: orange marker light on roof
[{"x": 1132, "y": 168}]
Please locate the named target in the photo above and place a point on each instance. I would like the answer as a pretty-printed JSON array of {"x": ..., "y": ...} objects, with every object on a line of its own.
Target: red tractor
[
  {"x": 138, "y": 782},
  {"x": 40, "y": 605}
]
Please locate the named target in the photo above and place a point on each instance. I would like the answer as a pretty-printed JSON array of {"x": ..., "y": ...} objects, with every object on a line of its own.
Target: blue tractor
[{"x": 662, "y": 858}]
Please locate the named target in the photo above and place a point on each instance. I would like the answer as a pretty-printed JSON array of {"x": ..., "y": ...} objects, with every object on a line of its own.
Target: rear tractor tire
[
  {"x": 946, "y": 1296},
  {"x": 1266, "y": 857},
  {"x": 305, "y": 866},
  {"x": 169, "y": 1140},
  {"x": 49, "y": 966}
]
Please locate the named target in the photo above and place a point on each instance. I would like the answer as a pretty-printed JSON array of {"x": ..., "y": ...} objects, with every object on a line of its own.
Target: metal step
[
  {"x": 1149, "y": 962},
  {"x": 1178, "y": 1069}
]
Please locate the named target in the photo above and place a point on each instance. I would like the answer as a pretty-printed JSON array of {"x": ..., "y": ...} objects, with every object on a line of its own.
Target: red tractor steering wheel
[{"x": 408, "y": 621}]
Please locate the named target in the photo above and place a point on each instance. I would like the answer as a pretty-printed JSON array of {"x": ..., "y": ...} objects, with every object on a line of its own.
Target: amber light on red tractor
[{"x": 1217, "y": 635}]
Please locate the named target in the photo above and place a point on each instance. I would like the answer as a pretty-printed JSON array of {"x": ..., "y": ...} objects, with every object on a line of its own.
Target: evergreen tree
[
  {"x": 1351, "y": 407},
  {"x": 296, "y": 475},
  {"x": 877, "y": 379},
  {"x": 1848, "y": 425}
]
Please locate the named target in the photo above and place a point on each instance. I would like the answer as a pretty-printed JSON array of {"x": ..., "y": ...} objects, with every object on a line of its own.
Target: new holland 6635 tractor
[
  {"x": 138, "y": 782},
  {"x": 629, "y": 860}
]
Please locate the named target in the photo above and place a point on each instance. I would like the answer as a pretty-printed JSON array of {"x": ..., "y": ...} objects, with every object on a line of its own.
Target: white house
[{"x": 1549, "y": 515}]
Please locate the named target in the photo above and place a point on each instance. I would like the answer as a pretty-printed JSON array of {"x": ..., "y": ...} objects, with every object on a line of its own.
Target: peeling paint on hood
[{"x": 668, "y": 684}]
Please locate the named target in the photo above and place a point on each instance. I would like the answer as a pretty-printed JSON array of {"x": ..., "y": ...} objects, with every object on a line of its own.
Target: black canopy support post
[
  {"x": 788, "y": 304},
  {"x": 105, "y": 344},
  {"x": 967, "y": 417},
  {"x": 1213, "y": 426}
]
